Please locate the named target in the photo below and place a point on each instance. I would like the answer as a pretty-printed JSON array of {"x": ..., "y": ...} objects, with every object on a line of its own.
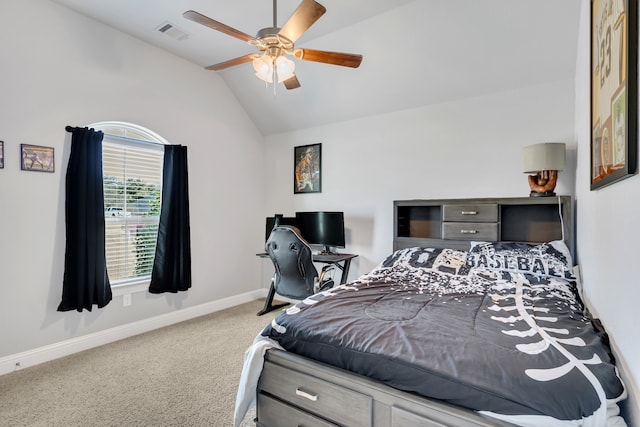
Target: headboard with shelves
[{"x": 453, "y": 223}]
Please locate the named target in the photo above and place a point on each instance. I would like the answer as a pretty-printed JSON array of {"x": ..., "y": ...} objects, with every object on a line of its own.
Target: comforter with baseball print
[{"x": 513, "y": 345}]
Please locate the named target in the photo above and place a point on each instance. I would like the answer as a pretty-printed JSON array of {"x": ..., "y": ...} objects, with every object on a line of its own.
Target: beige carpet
[{"x": 182, "y": 375}]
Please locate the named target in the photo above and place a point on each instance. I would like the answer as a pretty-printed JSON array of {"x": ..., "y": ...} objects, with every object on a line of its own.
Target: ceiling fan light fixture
[
  {"x": 263, "y": 66},
  {"x": 284, "y": 68}
]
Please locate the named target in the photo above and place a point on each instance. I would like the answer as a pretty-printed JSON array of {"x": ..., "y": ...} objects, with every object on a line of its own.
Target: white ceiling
[{"x": 416, "y": 52}]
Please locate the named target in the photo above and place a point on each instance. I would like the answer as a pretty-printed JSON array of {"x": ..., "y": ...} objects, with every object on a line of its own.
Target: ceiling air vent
[{"x": 168, "y": 29}]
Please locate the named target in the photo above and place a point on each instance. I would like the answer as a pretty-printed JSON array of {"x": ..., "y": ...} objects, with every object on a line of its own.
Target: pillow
[
  {"x": 545, "y": 259},
  {"x": 450, "y": 261},
  {"x": 444, "y": 260}
]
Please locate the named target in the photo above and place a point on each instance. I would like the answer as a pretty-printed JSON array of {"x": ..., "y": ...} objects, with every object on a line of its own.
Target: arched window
[{"x": 132, "y": 159}]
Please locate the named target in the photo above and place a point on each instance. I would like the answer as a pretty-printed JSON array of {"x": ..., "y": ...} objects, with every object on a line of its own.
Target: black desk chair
[{"x": 296, "y": 277}]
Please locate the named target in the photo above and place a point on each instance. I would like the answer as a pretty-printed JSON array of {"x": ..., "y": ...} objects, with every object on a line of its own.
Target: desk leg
[
  {"x": 268, "y": 303},
  {"x": 345, "y": 271}
]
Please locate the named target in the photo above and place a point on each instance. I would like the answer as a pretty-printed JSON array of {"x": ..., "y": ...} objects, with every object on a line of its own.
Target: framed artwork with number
[
  {"x": 307, "y": 177},
  {"x": 614, "y": 91}
]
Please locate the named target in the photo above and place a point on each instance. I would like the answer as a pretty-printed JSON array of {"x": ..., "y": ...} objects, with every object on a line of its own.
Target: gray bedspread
[{"x": 425, "y": 322}]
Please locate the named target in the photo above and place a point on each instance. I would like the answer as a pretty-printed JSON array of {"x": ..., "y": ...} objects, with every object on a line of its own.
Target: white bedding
[{"x": 251, "y": 370}]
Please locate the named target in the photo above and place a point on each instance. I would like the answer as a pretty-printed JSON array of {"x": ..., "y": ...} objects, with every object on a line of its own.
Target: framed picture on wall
[
  {"x": 1, "y": 154},
  {"x": 614, "y": 91},
  {"x": 37, "y": 158},
  {"x": 307, "y": 161}
]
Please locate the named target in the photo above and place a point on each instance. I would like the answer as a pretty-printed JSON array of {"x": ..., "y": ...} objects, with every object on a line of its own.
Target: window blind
[{"x": 132, "y": 171}]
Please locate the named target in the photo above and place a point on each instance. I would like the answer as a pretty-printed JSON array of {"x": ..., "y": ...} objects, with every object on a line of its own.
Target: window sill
[{"x": 130, "y": 288}]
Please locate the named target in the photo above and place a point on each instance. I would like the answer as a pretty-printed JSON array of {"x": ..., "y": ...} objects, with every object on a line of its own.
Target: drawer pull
[
  {"x": 469, "y": 213},
  {"x": 469, "y": 231},
  {"x": 311, "y": 397}
]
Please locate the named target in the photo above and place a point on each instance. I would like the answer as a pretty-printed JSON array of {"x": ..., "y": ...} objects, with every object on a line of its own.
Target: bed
[{"x": 492, "y": 335}]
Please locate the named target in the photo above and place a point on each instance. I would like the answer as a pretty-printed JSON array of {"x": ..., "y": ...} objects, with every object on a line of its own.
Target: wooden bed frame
[{"x": 294, "y": 390}]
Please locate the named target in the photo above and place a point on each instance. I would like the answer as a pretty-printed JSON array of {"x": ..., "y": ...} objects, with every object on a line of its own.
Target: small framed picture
[
  {"x": 37, "y": 158},
  {"x": 1, "y": 154},
  {"x": 307, "y": 160}
]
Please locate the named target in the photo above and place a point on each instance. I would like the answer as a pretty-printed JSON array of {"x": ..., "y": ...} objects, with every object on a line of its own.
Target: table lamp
[{"x": 544, "y": 160}]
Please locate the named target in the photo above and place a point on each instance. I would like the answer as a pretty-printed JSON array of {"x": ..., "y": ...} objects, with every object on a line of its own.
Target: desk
[{"x": 335, "y": 259}]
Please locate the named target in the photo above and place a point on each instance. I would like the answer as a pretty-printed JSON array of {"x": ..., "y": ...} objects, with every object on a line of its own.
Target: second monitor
[
  {"x": 322, "y": 228},
  {"x": 283, "y": 220}
]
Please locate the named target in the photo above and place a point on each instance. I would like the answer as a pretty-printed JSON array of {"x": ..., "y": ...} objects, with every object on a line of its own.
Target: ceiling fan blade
[
  {"x": 334, "y": 58},
  {"x": 232, "y": 62},
  {"x": 307, "y": 13},
  {"x": 291, "y": 83},
  {"x": 218, "y": 26}
]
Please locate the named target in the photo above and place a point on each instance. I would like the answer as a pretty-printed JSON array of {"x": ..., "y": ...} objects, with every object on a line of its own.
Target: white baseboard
[
  {"x": 36, "y": 356},
  {"x": 632, "y": 404}
]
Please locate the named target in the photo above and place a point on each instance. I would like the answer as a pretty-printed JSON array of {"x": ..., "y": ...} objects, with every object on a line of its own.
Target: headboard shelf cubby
[{"x": 453, "y": 223}]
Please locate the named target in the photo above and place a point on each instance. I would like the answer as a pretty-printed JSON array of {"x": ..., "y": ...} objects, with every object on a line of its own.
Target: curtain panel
[
  {"x": 172, "y": 264},
  {"x": 86, "y": 282}
]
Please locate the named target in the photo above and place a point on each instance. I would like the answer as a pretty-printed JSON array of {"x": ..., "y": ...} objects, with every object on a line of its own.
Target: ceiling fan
[{"x": 274, "y": 43}]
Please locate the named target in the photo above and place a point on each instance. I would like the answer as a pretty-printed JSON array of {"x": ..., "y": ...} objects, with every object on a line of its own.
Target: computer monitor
[
  {"x": 271, "y": 221},
  {"x": 322, "y": 228}
]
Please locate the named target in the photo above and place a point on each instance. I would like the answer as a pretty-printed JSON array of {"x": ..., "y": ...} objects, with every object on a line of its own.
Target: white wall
[
  {"x": 608, "y": 236},
  {"x": 60, "y": 68},
  {"x": 74, "y": 71},
  {"x": 469, "y": 148}
]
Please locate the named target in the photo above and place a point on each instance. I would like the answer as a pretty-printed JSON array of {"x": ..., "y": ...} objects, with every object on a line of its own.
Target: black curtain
[
  {"x": 85, "y": 266},
  {"x": 172, "y": 263}
]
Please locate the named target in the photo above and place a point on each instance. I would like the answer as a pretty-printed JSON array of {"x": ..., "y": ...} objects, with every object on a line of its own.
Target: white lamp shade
[
  {"x": 264, "y": 68},
  {"x": 547, "y": 156},
  {"x": 285, "y": 68}
]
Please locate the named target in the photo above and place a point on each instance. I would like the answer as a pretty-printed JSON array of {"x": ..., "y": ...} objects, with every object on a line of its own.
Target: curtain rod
[{"x": 72, "y": 128}]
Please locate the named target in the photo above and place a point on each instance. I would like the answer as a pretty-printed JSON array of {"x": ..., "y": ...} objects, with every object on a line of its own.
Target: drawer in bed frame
[
  {"x": 486, "y": 231},
  {"x": 347, "y": 399},
  {"x": 470, "y": 221},
  {"x": 478, "y": 212},
  {"x": 274, "y": 412},
  {"x": 322, "y": 398}
]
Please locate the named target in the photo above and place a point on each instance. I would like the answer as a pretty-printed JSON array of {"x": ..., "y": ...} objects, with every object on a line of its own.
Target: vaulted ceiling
[{"x": 416, "y": 52}]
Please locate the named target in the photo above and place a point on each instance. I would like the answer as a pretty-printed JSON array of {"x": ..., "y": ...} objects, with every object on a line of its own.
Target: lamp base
[{"x": 543, "y": 194}]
